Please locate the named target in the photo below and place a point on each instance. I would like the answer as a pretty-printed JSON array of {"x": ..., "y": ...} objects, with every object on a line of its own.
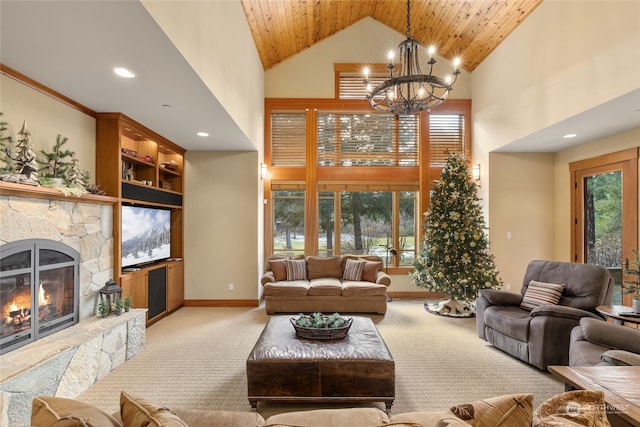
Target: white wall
[{"x": 46, "y": 119}]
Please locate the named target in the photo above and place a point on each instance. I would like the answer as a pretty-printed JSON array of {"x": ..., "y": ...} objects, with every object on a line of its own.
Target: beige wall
[
  {"x": 553, "y": 66},
  {"x": 309, "y": 74},
  {"x": 46, "y": 119},
  {"x": 221, "y": 230},
  {"x": 521, "y": 203}
]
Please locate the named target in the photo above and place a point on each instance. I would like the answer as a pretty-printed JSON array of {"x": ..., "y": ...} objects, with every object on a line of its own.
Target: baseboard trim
[
  {"x": 417, "y": 295},
  {"x": 221, "y": 303}
]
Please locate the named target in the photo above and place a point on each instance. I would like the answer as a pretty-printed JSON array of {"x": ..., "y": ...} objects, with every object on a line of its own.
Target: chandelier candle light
[{"x": 408, "y": 91}]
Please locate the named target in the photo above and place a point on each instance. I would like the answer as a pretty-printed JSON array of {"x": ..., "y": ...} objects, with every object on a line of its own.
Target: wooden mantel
[{"x": 22, "y": 190}]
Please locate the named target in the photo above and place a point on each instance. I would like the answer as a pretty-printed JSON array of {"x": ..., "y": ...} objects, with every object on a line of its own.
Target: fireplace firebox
[{"x": 39, "y": 282}]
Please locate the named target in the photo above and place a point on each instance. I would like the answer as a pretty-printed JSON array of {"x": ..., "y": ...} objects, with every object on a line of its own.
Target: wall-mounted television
[{"x": 146, "y": 235}]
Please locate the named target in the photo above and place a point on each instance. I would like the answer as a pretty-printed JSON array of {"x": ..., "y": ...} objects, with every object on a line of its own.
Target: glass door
[{"x": 605, "y": 214}]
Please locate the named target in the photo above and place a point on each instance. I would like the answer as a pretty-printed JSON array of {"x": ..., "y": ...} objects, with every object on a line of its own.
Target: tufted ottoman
[{"x": 357, "y": 368}]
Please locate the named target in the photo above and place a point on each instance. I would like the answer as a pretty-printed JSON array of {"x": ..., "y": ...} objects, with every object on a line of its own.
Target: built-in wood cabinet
[
  {"x": 140, "y": 167},
  {"x": 175, "y": 285}
]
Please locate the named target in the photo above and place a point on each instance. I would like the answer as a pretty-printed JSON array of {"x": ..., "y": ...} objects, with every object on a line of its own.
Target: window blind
[
  {"x": 446, "y": 136},
  {"x": 288, "y": 138},
  {"x": 367, "y": 139}
]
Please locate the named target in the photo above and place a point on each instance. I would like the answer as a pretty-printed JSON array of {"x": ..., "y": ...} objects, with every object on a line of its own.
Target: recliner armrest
[
  {"x": 500, "y": 297},
  {"x": 563, "y": 311},
  {"x": 620, "y": 358},
  {"x": 610, "y": 335}
]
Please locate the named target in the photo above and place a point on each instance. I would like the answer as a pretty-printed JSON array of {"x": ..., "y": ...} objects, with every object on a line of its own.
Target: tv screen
[{"x": 146, "y": 235}]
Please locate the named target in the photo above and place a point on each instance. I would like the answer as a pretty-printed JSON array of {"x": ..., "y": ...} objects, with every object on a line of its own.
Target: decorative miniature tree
[
  {"x": 5, "y": 141},
  {"x": 75, "y": 176},
  {"x": 25, "y": 158},
  {"x": 454, "y": 256},
  {"x": 56, "y": 163}
]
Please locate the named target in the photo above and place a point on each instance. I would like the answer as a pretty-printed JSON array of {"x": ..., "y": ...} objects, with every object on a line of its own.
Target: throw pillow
[
  {"x": 296, "y": 269},
  {"x": 137, "y": 412},
  {"x": 279, "y": 269},
  {"x": 503, "y": 411},
  {"x": 572, "y": 408},
  {"x": 541, "y": 293},
  {"x": 57, "y": 412},
  {"x": 370, "y": 271},
  {"x": 321, "y": 267},
  {"x": 353, "y": 270}
]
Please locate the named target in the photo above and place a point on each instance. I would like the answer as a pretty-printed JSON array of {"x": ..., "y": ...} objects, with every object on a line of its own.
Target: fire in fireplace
[{"x": 38, "y": 290}]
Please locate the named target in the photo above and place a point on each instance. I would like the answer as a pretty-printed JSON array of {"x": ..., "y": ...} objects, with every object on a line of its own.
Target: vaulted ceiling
[{"x": 471, "y": 29}]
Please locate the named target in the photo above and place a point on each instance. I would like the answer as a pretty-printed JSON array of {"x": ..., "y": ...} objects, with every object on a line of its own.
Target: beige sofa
[
  {"x": 507, "y": 411},
  {"x": 325, "y": 284},
  {"x": 514, "y": 410}
]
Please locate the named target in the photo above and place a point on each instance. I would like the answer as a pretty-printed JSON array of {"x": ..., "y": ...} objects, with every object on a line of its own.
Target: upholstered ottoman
[{"x": 283, "y": 367}]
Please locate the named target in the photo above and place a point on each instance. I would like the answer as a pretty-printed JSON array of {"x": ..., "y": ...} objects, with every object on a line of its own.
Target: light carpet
[{"x": 196, "y": 358}]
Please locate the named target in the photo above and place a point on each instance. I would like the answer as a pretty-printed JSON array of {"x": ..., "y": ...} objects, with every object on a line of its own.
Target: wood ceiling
[{"x": 471, "y": 29}]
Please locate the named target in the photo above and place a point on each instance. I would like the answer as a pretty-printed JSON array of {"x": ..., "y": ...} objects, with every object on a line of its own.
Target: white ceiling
[{"x": 73, "y": 46}]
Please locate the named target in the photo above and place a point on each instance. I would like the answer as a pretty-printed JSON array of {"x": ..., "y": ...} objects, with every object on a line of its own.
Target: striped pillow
[
  {"x": 540, "y": 293},
  {"x": 296, "y": 269},
  {"x": 353, "y": 270}
]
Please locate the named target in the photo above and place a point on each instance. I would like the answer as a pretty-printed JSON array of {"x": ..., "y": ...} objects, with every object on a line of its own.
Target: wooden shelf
[{"x": 23, "y": 190}]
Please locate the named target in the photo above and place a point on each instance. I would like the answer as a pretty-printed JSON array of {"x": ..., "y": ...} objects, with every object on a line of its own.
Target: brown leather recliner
[
  {"x": 595, "y": 342},
  {"x": 541, "y": 336}
]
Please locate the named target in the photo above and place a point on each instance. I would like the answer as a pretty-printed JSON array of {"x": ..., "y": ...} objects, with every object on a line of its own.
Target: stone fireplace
[
  {"x": 56, "y": 253},
  {"x": 38, "y": 290}
]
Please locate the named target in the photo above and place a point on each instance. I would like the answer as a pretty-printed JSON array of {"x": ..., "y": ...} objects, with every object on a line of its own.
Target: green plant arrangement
[
  {"x": 633, "y": 286},
  {"x": 55, "y": 164},
  {"x": 128, "y": 303},
  {"x": 319, "y": 326},
  {"x": 103, "y": 308},
  {"x": 119, "y": 305}
]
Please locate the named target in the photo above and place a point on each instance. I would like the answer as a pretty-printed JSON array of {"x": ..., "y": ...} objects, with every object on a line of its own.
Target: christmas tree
[{"x": 454, "y": 256}]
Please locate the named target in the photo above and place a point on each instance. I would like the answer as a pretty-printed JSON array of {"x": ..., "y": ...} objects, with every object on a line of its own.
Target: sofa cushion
[
  {"x": 49, "y": 411},
  {"x": 279, "y": 269},
  {"x": 324, "y": 267},
  {"x": 572, "y": 408},
  {"x": 370, "y": 271},
  {"x": 510, "y": 321},
  {"x": 294, "y": 287},
  {"x": 345, "y": 417},
  {"x": 620, "y": 358},
  {"x": 430, "y": 418},
  {"x": 138, "y": 412},
  {"x": 541, "y": 293},
  {"x": 353, "y": 270},
  {"x": 325, "y": 286},
  {"x": 210, "y": 418},
  {"x": 362, "y": 289},
  {"x": 296, "y": 269},
  {"x": 502, "y": 411}
]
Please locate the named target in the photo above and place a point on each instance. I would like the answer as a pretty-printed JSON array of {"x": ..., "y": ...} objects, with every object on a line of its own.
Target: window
[
  {"x": 288, "y": 222},
  {"x": 367, "y": 139},
  {"x": 288, "y": 138},
  {"x": 345, "y": 178}
]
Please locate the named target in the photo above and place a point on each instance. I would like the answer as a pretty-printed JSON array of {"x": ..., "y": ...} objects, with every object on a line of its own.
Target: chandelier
[{"x": 408, "y": 91}]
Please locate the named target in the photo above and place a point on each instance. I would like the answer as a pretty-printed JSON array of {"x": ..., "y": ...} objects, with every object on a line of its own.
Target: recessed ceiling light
[
  {"x": 570, "y": 135},
  {"x": 203, "y": 134},
  {"x": 123, "y": 72}
]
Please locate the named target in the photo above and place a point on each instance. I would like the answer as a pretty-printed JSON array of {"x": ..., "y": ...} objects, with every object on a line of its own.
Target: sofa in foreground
[
  {"x": 505, "y": 411},
  {"x": 343, "y": 284}
]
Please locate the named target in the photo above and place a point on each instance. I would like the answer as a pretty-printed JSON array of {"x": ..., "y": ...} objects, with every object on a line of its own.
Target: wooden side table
[{"x": 613, "y": 312}]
